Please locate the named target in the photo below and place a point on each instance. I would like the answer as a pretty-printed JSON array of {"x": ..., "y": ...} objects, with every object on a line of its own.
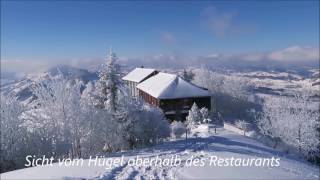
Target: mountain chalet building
[{"x": 174, "y": 95}]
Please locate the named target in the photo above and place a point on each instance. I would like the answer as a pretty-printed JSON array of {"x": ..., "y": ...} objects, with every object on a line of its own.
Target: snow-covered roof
[
  {"x": 138, "y": 74},
  {"x": 170, "y": 86}
]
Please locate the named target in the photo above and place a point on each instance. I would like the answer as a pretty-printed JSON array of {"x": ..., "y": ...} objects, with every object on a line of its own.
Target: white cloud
[
  {"x": 219, "y": 23},
  {"x": 25, "y": 66},
  {"x": 225, "y": 22},
  {"x": 295, "y": 53},
  {"x": 287, "y": 56},
  {"x": 291, "y": 56}
]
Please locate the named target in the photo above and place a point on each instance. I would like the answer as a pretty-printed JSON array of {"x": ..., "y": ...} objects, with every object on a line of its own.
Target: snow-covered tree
[
  {"x": 58, "y": 118},
  {"x": 96, "y": 119},
  {"x": 124, "y": 122},
  {"x": 220, "y": 83},
  {"x": 188, "y": 75},
  {"x": 110, "y": 80},
  {"x": 194, "y": 117},
  {"x": 91, "y": 94},
  {"x": 156, "y": 127},
  {"x": 13, "y": 134},
  {"x": 141, "y": 123},
  {"x": 209, "y": 79},
  {"x": 129, "y": 116},
  {"x": 127, "y": 121},
  {"x": 110, "y": 94},
  {"x": 103, "y": 97},
  {"x": 231, "y": 94},
  {"x": 294, "y": 120}
]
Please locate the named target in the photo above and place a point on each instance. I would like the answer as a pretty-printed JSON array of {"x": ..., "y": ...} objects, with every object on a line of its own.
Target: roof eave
[{"x": 168, "y": 98}]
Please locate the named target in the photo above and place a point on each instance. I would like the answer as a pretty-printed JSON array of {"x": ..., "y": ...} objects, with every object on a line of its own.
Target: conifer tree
[
  {"x": 110, "y": 81},
  {"x": 194, "y": 117}
]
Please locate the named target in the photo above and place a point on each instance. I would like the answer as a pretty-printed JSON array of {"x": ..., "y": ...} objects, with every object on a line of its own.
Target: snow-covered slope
[
  {"x": 21, "y": 88},
  {"x": 280, "y": 83},
  {"x": 203, "y": 145}
]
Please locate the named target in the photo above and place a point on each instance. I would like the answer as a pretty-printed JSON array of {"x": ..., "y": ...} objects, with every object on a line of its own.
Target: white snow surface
[
  {"x": 138, "y": 74},
  {"x": 171, "y": 86},
  {"x": 202, "y": 144}
]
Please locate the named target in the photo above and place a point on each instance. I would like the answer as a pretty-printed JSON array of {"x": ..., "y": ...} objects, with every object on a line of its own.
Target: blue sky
[{"x": 49, "y": 30}]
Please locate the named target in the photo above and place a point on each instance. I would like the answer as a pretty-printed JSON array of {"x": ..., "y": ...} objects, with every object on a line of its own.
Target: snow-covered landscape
[
  {"x": 244, "y": 139},
  {"x": 167, "y": 90},
  {"x": 203, "y": 145}
]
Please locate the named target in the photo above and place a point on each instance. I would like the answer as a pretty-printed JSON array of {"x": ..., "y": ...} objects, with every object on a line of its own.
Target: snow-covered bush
[
  {"x": 204, "y": 112},
  {"x": 241, "y": 124},
  {"x": 194, "y": 117},
  {"x": 197, "y": 116},
  {"x": 177, "y": 129},
  {"x": 156, "y": 127},
  {"x": 140, "y": 123},
  {"x": 205, "y": 115}
]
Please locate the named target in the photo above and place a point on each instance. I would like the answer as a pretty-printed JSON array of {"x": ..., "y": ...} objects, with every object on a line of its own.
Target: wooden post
[{"x": 186, "y": 133}]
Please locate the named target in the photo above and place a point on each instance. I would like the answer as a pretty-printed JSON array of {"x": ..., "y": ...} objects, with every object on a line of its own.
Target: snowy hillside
[
  {"x": 20, "y": 88},
  {"x": 203, "y": 146},
  {"x": 280, "y": 82}
]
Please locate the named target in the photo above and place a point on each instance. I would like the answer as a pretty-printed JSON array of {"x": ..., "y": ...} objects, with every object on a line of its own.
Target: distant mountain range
[
  {"x": 21, "y": 87},
  {"x": 265, "y": 81}
]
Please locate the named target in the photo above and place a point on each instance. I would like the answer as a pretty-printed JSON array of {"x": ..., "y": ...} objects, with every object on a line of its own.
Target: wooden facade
[
  {"x": 149, "y": 99},
  {"x": 176, "y": 109}
]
